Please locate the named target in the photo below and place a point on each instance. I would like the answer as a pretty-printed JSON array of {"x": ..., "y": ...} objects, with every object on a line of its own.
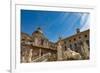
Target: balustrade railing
[{"x": 42, "y": 58}]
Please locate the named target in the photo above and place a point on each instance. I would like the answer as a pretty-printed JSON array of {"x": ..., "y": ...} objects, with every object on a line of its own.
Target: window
[
  {"x": 69, "y": 40},
  {"x": 75, "y": 46},
  {"x": 87, "y": 42},
  {"x": 85, "y": 36},
  {"x": 74, "y": 39},
  {"x": 42, "y": 41},
  {"x": 70, "y": 46},
  {"x": 79, "y": 37},
  {"x": 64, "y": 42},
  {"x": 65, "y": 48},
  {"x": 80, "y": 42}
]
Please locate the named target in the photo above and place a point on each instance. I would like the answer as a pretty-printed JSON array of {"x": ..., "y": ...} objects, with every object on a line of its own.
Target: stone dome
[
  {"x": 39, "y": 30},
  {"x": 38, "y": 33}
]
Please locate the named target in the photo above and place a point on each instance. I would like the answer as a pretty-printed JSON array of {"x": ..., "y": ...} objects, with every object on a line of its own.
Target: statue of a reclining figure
[{"x": 71, "y": 55}]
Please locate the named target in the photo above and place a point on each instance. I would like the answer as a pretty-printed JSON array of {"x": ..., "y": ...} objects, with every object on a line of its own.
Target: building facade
[
  {"x": 37, "y": 48},
  {"x": 78, "y": 42}
]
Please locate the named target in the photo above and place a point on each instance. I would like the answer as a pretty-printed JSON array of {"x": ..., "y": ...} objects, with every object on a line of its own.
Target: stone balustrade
[{"x": 42, "y": 58}]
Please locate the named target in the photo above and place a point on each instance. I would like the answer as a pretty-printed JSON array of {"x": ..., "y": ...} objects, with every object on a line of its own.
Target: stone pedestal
[{"x": 23, "y": 59}]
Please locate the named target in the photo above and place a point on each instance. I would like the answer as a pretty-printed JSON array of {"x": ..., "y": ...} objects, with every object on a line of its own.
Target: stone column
[
  {"x": 40, "y": 52},
  {"x": 86, "y": 51},
  {"x": 25, "y": 55},
  {"x": 59, "y": 52},
  {"x": 30, "y": 55}
]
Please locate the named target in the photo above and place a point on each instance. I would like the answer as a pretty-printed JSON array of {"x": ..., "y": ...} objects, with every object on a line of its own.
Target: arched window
[
  {"x": 85, "y": 36},
  {"x": 75, "y": 47},
  {"x": 87, "y": 42},
  {"x": 79, "y": 37},
  {"x": 74, "y": 39},
  {"x": 42, "y": 41},
  {"x": 69, "y": 40},
  {"x": 80, "y": 43},
  {"x": 70, "y": 46},
  {"x": 65, "y": 48}
]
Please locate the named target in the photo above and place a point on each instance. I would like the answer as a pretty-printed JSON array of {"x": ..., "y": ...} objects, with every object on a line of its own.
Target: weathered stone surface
[
  {"x": 35, "y": 48},
  {"x": 59, "y": 52},
  {"x": 69, "y": 54}
]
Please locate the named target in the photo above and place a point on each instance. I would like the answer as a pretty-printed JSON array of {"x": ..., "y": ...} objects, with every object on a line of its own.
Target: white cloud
[
  {"x": 85, "y": 22},
  {"x": 85, "y": 27}
]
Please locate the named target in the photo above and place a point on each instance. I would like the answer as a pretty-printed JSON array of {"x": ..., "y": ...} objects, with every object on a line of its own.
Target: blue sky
[{"x": 53, "y": 24}]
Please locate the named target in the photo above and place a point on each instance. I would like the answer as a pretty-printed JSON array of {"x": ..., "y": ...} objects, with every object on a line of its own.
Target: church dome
[
  {"x": 38, "y": 30},
  {"x": 39, "y": 34}
]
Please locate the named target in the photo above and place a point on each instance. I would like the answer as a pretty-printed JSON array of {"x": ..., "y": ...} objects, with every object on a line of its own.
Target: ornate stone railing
[{"x": 42, "y": 58}]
